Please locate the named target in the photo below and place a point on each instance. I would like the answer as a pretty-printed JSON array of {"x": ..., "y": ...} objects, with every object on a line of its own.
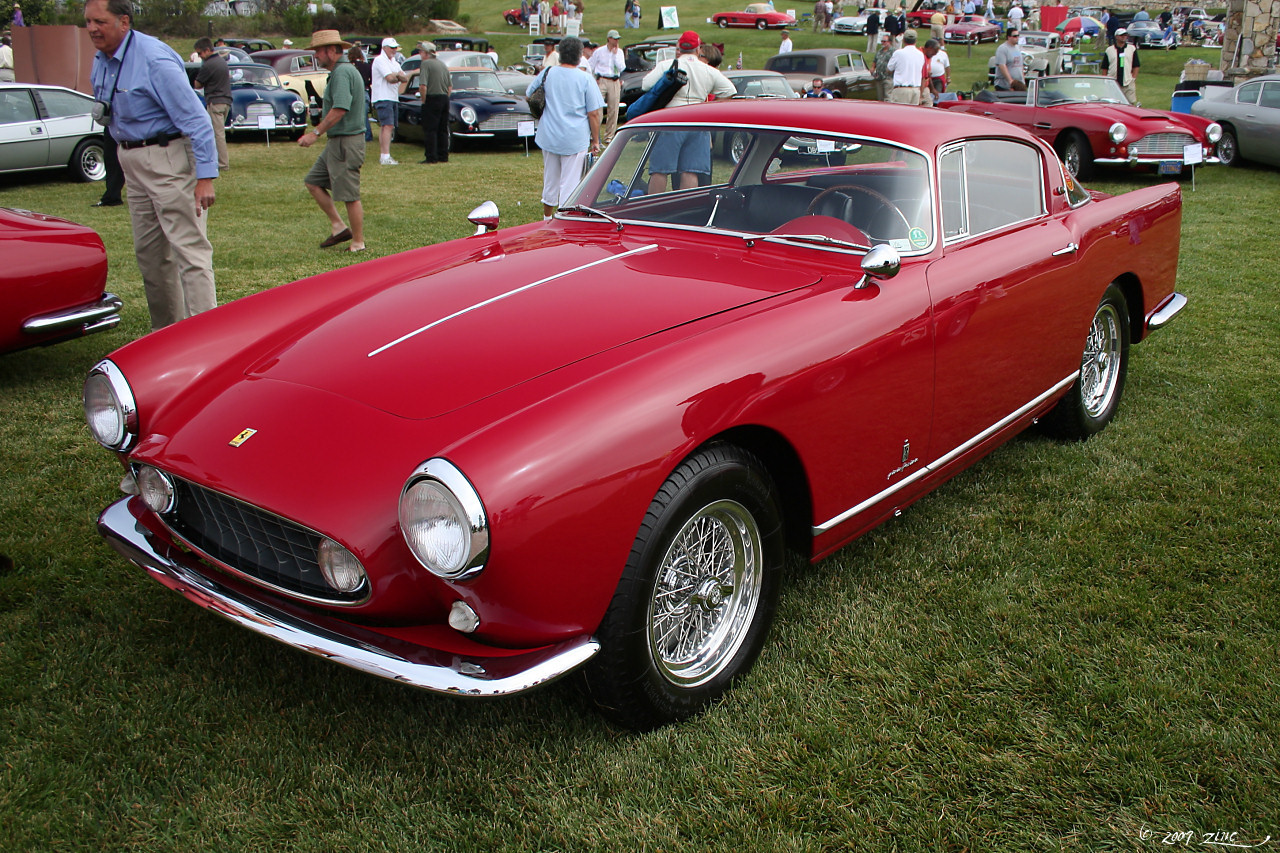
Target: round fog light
[
  {"x": 340, "y": 568},
  {"x": 156, "y": 489},
  {"x": 463, "y": 618}
]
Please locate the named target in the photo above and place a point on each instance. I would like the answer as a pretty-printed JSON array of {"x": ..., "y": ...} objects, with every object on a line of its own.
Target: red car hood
[
  {"x": 1137, "y": 119},
  {"x": 431, "y": 344}
]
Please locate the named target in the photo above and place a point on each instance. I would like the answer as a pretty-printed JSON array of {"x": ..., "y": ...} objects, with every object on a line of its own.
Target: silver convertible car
[
  {"x": 1250, "y": 119},
  {"x": 49, "y": 127}
]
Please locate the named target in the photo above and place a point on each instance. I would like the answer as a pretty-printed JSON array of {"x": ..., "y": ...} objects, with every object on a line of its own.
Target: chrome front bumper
[
  {"x": 93, "y": 317},
  {"x": 1166, "y": 311},
  {"x": 351, "y": 645}
]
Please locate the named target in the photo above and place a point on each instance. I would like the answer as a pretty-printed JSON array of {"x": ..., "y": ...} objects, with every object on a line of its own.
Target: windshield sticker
[{"x": 919, "y": 239}]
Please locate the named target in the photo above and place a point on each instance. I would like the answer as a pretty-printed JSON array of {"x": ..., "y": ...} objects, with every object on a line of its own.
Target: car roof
[
  {"x": 280, "y": 53},
  {"x": 821, "y": 51},
  {"x": 916, "y": 128}
]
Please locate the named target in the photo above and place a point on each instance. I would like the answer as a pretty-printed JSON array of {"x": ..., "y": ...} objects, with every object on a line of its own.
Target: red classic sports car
[
  {"x": 585, "y": 444},
  {"x": 1089, "y": 122},
  {"x": 51, "y": 284},
  {"x": 758, "y": 15},
  {"x": 972, "y": 29}
]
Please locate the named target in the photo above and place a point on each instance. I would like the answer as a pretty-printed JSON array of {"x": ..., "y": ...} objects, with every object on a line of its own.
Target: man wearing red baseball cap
[{"x": 685, "y": 153}]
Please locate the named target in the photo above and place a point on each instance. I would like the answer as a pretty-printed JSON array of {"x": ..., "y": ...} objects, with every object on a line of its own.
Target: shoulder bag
[
  {"x": 538, "y": 97},
  {"x": 661, "y": 93}
]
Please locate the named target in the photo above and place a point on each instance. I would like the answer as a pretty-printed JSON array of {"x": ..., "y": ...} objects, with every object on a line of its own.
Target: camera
[{"x": 102, "y": 112}]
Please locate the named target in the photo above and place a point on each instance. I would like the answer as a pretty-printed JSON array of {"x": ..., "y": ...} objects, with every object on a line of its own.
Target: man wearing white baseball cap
[
  {"x": 385, "y": 94},
  {"x": 607, "y": 64}
]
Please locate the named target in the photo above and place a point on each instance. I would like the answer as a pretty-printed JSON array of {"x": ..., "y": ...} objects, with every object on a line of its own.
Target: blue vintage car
[
  {"x": 256, "y": 91},
  {"x": 480, "y": 109}
]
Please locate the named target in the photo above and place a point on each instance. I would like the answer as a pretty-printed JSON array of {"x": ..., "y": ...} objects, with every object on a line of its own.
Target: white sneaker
[{"x": 385, "y": 160}]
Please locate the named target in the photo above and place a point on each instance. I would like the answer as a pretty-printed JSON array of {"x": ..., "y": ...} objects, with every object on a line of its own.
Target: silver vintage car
[
  {"x": 49, "y": 127},
  {"x": 1250, "y": 119}
]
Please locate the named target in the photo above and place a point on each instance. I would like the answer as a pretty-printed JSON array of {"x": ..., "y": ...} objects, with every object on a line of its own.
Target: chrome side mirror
[
  {"x": 882, "y": 262},
  {"x": 485, "y": 218}
]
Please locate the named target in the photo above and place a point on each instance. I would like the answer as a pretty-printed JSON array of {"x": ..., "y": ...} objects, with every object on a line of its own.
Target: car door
[
  {"x": 1256, "y": 116},
  {"x": 24, "y": 140},
  {"x": 1006, "y": 263},
  {"x": 67, "y": 119}
]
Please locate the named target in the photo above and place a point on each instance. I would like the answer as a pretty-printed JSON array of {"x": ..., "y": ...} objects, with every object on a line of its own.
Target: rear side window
[
  {"x": 1248, "y": 93},
  {"x": 59, "y": 104},
  {"x": 987, "y": 184}
]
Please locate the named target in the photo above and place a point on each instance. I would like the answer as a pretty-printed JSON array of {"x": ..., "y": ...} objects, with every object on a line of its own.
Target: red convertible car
[
  {"x": 586, "y": 444},
  {"x": 971, "y": 29},
  {"x": 1089, "y": 122},
  {"x": 51, "y": 284},
  {"x": 759, "y": 15}
]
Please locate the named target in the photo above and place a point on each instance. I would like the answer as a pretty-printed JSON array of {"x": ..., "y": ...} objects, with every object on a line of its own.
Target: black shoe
[
  {"x": 107, "y": 204},
  {"x": 421, "y": 162}
]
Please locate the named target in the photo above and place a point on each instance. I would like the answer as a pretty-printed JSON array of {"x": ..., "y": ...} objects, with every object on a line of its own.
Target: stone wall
[{"x": 1249, "y": 44}]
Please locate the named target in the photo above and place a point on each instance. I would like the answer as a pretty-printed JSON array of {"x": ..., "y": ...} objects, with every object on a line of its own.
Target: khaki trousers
[
  {"x": 169, "y": 239},
  {"x": 905, "y": 95},
  {"x": 611, "y": 91},
  {"x": 218, "y": 115}
]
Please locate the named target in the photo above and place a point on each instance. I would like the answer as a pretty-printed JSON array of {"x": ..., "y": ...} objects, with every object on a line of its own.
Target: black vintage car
[
  {"x": 256, "y": 92},
  {"x": 479, "y": 109}
]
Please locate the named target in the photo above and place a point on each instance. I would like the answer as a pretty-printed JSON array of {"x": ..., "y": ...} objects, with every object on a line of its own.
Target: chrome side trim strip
[
  {"x": 502, "y": 296},
  {"x": 1166, "y": 311},
  {"x": 943, "y": 461},
  {"x": 377, "y": 655},
  {"x": 103, "y": 309}
]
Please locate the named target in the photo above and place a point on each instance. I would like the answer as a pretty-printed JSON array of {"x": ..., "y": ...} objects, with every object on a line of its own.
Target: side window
[
  {"x": 988, "y": 184},
  {"x": 1248, "y": 93},
  {"x": 16, "y": 106},
  {"x": 1270, "y": 96},
  {"x": 1003, "y": 183},
  {"x": 58, "y": 104},
  {"x": 955, "y": 214}
]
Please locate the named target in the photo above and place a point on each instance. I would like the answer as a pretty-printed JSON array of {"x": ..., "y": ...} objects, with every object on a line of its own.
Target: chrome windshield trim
[
  {"x": 344, "y": 643},
  {"x": 501, "y": 296},
  {"x": 941, "y": 462}
]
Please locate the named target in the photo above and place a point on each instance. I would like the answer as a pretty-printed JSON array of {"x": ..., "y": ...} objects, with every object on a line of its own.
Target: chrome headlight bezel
[
  {"x": 457, "y": 506},
  {"x": 298, "y": 108},
  {"x": 468, "y": 115},
  {"x": 1118, "y": 132},
  {"x": 107, "y": 393},
  {"x": 1213, "y": 133}
]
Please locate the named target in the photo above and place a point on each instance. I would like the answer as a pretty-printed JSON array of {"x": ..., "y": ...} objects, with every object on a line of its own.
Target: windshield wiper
[
  {"x": 820, "y": 239},
  {"x": 582, "y": 208}
]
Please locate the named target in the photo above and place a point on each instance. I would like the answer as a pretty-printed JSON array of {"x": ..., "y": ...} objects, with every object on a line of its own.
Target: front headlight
[
  {"x": 1118, "y": 132},
  {"x": 298, "y": 108},
  {"x": 339, "y": 567},
  {"x": 468, "y": 115},
  {"x": 443, "y": 521},
  {"x": 1214, "y": 132},
  {"x": 109, "y": 407},
  {"x": 156, "y": 489}
]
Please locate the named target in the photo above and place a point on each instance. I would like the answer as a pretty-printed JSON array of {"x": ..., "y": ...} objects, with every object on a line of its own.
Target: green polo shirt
[{"x": 345, "y": 90}]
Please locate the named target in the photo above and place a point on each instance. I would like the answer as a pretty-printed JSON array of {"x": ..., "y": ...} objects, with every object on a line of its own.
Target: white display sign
[
  {"x": 668, "y": 18},
  {"x": 266, "y": 122},
  {"x": 1192, "y": 154},
  {"x": 526, "y": 128}
]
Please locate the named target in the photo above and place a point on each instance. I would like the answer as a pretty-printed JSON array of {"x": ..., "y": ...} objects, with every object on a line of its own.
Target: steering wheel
[{"x": 818, "y": 199}]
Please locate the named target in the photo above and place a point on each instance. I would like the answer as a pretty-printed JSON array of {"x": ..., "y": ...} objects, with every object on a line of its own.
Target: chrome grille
[
  {"x": 258, "y": 108},
  {"x": 504, "y": 121},
  {"x": 253, "y": 542},
  {"x": 1162, "y": 145}
]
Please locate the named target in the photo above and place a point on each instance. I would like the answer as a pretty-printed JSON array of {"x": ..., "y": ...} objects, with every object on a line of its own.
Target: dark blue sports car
[
  {"x": 256, "y": 91},
  {"x": 479, "y": 109}
]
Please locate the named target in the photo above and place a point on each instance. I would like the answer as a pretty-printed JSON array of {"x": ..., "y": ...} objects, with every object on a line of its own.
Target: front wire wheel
[
  {"x": 1094, "y": 398},
  {"x": 698, "y": 593}
]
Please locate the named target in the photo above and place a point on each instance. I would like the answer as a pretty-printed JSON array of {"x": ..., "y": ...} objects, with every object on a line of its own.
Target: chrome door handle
[{"x": 1069, "y": 249}]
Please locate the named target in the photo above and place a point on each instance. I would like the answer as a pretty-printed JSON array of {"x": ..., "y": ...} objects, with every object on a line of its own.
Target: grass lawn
[{"x": 1066, "y": 647}]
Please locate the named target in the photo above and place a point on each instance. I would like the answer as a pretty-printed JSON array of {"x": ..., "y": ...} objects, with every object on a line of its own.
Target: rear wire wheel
[
  {"x": 697, "y": 596},
  {"x": 1094, "y": 398}
]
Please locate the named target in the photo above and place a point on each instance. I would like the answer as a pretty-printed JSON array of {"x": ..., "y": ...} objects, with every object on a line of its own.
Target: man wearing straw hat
[{"x": 336, "y": 174}]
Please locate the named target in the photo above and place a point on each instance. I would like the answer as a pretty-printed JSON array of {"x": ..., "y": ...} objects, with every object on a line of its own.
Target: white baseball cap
[{"x": 390, "y": 42}]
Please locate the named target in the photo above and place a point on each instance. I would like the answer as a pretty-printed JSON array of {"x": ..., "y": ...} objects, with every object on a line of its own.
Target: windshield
[
  {"x": 477, "y": 81},
  {"x": 1078, "y": 90},
  {"x": 834, "y": 191},
  {"x": 254, "y": 75},
  {"x": 763, "y": 87}
]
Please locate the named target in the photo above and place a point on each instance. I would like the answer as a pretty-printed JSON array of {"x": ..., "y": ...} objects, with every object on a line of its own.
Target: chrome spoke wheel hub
[
  {"x": 705, "y": 596},
  {"x": 1100, "y": 367}
]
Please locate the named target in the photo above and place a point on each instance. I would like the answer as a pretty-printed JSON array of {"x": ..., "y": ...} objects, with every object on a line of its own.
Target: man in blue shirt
[{"x": 167, "y": 153}]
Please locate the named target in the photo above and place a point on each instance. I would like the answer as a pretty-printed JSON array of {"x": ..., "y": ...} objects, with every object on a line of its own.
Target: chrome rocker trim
[
  {"x": 93, "y": 317},
  {"x": 370, "y": 652}
]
